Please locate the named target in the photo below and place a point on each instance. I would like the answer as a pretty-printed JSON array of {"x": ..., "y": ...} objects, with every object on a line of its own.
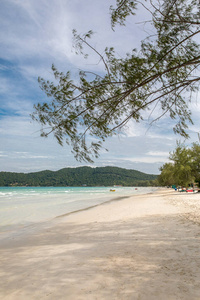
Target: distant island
[{"x": 81, "y": 176}]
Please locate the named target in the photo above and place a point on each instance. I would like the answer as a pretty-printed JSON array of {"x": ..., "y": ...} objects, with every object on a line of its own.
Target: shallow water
[{"x": 23, "y": 206}]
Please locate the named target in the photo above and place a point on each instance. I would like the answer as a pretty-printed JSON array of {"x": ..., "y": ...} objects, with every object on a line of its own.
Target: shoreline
[
  {"x": 102, "y": 203},
  {"x": 22, "y": 231},
  {"x": 144, "y": 247},
  {"x": 21, "y": 226}
]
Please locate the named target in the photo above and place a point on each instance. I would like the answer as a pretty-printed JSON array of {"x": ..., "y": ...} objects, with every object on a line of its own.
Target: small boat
[
  {"x": 189, "y": 191},
  {"x": 192, "y": 191},
  {"x": 112, "y": 190}
]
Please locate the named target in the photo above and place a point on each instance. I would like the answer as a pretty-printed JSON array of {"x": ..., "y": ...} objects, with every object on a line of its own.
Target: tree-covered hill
[{"x": 102, "y": 176}]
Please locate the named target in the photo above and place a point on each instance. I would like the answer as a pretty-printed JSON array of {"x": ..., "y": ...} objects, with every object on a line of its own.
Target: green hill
[{"x": 102, "y": 176}]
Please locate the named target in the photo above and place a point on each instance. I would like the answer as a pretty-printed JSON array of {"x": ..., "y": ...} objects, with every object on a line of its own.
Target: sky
[{"x": 34, "y": 34}]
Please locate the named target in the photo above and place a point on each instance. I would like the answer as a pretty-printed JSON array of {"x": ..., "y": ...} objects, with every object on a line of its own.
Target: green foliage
[
  {"x": 182, "y": 170},
  {"x": 163, "y": 73},
  {"x": 166, "y": 178},
  {"x": 185, "y": 168},
  {"x": 107, "y": 176},
  {"x": 124, "y": 9},
  {"x": 195, "y": 162}
]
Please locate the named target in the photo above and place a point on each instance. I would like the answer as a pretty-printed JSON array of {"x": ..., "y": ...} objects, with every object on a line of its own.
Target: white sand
[{"x": 139, "y": 248}]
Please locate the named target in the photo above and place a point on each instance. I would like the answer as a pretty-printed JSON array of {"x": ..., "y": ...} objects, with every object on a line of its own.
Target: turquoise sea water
[{"x": 23, "y": 206}]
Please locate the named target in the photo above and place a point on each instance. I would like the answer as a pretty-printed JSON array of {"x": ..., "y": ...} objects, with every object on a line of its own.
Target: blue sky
[{"x": 36, "y": 33}]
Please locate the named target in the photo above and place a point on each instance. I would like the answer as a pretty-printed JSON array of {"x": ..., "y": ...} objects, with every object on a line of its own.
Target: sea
[{"x": 22, "y": 207}]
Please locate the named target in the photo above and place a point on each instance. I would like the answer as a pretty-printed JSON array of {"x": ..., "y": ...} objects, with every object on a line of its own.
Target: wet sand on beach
[{"x": 137, "y": 248}]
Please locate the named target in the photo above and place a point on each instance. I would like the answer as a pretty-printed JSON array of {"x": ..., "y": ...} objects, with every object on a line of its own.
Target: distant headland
[{"x": 80, "y": 176}]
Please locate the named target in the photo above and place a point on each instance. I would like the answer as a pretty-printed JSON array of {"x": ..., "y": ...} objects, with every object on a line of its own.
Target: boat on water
[{"x": 112, "y": 190}]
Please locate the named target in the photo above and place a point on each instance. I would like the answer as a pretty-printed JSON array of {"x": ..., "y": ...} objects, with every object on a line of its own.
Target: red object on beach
[{"x": 189, "y": 191}]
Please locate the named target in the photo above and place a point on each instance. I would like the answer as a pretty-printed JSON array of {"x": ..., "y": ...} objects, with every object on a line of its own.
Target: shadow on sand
[{"x": 144, "y": 258}]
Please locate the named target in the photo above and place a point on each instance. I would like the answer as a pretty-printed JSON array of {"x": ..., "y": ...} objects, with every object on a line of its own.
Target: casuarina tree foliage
[
  {"x": 184, "y": 168},
  {"x": 162, "y": 73}
]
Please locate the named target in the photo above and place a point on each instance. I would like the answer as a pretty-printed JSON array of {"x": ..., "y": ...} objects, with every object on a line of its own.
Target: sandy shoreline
[{"x": 143, "y": 247}]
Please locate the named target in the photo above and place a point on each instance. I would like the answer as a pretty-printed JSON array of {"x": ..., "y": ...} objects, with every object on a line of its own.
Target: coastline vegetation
[
  {"x": 81, "y": 176},
  {"x": 184, "y": 170}
]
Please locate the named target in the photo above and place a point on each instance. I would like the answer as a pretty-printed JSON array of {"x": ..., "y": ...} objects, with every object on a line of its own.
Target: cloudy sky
[{"x": 33, "y": 35}]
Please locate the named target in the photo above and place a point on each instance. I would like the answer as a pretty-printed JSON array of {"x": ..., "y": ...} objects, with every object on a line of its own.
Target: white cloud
[
  {"x": 3, "y": 155},
  {"x": 147, "y": 159},
  {"x": 17, "y": 126},
  {"x": 3, "y": 68},
  {"x": 158, "y": 153},
  {"x": 29, "y": 155},
  {"x": 43, "y": 30},
  {"x": 133, "y": 129}
]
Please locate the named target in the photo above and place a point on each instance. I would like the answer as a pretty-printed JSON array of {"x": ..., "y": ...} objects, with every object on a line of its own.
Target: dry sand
[{"x": 139, "y": 248}]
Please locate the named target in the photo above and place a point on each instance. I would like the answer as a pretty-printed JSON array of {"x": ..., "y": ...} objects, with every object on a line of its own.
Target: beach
[{"x": 136, "y": 248}]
